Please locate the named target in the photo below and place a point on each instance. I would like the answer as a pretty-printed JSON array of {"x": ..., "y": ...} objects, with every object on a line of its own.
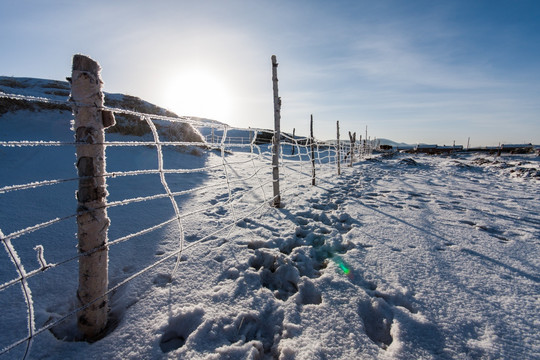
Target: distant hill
[
  {"x": 395, "y": 144},
  {"x": 58, "y": 92}
]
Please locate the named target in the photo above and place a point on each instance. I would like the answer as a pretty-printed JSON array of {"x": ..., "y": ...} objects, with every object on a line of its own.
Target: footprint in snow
[
  {"x": 276, "y": 273},
  {"x": 179, "y": 328},
  {"x": 162, "y": 280},
  {"x": 377, "y": 317},
  {"x": 264, "y": 328}
]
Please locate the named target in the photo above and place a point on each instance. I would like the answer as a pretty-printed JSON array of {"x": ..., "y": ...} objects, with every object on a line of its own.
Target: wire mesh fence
[{"x": 168, "y": 193}]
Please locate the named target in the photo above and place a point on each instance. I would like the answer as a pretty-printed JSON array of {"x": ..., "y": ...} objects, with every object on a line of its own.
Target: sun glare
[{"x": 196, "y": 92}]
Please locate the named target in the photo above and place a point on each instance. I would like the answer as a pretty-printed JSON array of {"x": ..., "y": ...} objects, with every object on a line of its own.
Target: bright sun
[{"x": 196, "y": 92}]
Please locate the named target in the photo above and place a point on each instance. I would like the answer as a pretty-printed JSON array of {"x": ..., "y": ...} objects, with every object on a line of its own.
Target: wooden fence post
[
  {"x": 352, "y": 138},
  {"x": 293, "y": 141},
  {"x": 338, "y": 151},
  {"x": 250, "y": 141},
  {"x": 92, "y": 219},
  {"x": 277, "y": 135},
  {"x": 312, "y": 152}
]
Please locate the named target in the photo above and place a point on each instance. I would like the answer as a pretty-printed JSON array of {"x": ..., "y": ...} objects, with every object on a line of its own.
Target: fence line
[{"x": 259, "y": 159}]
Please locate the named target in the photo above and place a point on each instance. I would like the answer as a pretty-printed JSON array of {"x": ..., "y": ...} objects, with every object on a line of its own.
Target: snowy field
[
  {"x": 396, "y": 258},
  {"x": 400, "y": 257}
]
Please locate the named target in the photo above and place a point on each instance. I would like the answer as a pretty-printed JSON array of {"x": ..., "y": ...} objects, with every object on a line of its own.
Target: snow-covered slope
[
  {"x": 58, "y": 92},
  {"x": 398, "y": 258}
]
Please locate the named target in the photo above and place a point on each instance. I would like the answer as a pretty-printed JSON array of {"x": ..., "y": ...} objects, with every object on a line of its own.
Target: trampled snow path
[
  {"x": 432, "y": 258},
  {"x": 396, "y": 260}
]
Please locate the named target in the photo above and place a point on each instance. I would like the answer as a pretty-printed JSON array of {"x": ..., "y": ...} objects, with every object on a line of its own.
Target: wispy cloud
[{"x": 407, "y": 69}]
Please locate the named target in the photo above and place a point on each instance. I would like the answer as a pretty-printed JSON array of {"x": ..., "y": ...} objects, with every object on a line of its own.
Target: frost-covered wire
[
  {"x": 168, "y": 190},
  {"x": 241, "y": 187},
  {"x": 253, "y": 146},
  {"x": 33, "y": 99},
  {"x": 36, "y": 227},
  {"x": 34, "y": 184},
  {"x": 31, "y": 325},
  {"x": 21, "y": 143}
]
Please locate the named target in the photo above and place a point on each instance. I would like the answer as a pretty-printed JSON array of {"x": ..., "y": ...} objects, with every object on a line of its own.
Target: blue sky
[{"x": 412, "y": 71}]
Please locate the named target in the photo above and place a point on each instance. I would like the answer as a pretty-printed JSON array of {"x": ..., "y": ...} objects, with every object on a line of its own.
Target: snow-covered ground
[{"x": 400, "y": 257}]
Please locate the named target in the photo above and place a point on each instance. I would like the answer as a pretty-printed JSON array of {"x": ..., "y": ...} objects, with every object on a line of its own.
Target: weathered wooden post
[
  {"x": 293, "y": 141},
  {"x": 352, "y": 138},
  {"x": 277, "y": 135},
  {"x": 312, "y": 140},
  {"x": 338, "y": 151},
  {"x": 366, "y": 145},
  {"x": 92, "y": 219},
  {"x": 250, "y": 141}
]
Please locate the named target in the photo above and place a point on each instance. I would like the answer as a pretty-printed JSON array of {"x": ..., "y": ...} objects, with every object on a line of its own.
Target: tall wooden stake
[
  {"x": 293, "y": 144},
  {"x": 312, "y": 152},
  {"x": 250, "y": 141},
  {"x": 352, "y": 138},
  {"x": 277, "y": 135},
  {"x": 366, "y": 136},
  {"x": 92, "y": 219},
  {"x": 338, "y": 151}
]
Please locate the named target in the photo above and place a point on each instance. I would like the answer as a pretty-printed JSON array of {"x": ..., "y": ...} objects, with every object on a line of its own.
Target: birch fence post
[
  {"x": 277, "y": 135},
  {"x": 312, "y": 152},
  {"x": 338, "y": 151},
  {"x": 92, "y": 220}
]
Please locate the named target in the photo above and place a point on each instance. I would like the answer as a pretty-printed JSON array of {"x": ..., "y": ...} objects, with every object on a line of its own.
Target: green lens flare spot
[{"x": 345, "y": 269}]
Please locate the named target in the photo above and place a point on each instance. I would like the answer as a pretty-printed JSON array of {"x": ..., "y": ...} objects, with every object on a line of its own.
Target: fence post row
[
  {"x": 277, "y": 134},
  {"x": 92, "y": 220}
]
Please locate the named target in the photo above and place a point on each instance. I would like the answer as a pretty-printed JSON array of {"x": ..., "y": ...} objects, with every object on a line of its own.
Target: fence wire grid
[{"x": 230, "y": 180}]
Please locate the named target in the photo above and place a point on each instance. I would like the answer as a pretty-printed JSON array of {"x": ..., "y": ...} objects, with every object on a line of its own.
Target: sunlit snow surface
[{"x": 432, "y": 258}]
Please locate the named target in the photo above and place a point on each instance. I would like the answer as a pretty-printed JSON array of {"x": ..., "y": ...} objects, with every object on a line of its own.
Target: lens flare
[
  {"x": 343, "y": 266},
  {"x": 345, "y": 269}
]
